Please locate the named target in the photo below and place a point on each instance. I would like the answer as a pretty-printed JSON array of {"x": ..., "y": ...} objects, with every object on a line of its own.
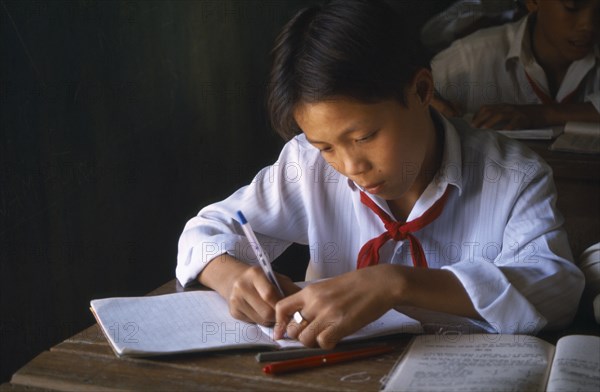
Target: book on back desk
[{"x": 579, "y": 137}]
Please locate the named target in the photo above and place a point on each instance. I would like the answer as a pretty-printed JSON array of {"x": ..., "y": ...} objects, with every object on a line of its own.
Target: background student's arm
[
  {"x": 505, "y": 116},
  {"x": 445, "y": 107},
  {"x": 339, "y": 306}
]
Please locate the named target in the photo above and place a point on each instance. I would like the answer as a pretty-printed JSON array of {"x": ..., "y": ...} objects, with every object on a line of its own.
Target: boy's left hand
[
  {"x": 509, "y": 117},
  {"x": 336, "y": 307}
]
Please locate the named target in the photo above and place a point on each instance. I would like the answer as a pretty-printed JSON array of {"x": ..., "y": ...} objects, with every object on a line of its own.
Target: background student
[
  {"x": 464, "y": 17},
  {"x": 351, "y": 92},
  {"x": 542, "y": 70}
]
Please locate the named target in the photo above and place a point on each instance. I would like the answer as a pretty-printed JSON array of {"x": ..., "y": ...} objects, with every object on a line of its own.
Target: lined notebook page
[{"x": 174, "y": 323}]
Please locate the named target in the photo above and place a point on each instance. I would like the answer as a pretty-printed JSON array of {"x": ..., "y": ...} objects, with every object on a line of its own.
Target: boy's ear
[
  {"x": 532, "y": 5},
  {"x": 423, "y": 86}
]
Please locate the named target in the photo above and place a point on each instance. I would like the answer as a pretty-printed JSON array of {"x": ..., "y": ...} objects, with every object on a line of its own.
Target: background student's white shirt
[
  {"x": 488, "y": 67},
  {"x": 499, "y": 233},
  {"x": 441, "y": 30}
]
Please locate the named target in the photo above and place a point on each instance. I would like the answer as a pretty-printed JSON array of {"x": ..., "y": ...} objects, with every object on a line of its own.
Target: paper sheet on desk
[
  {"x": 547, "y": 133},
  {"x": 533, "y": 134}
]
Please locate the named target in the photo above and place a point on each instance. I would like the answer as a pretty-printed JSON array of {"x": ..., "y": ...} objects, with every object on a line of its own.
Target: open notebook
[
  {"x": 200, "y": 321},
  {"x": 579, "y": 137},
  {"x": 446, "y": 363}
]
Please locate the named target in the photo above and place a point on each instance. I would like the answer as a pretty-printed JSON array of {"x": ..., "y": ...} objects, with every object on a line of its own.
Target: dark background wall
[{"x": 119, "y": 121}]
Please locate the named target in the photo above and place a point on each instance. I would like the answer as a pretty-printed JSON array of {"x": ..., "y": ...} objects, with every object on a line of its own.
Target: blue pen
[{"x": 263, "y": 260}]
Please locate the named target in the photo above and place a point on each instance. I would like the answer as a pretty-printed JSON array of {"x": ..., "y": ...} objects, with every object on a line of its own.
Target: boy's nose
[{"x": 354, "y": 165}]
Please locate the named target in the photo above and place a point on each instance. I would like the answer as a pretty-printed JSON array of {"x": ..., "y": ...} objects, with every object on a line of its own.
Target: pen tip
[{"x": 242, "y": 218}]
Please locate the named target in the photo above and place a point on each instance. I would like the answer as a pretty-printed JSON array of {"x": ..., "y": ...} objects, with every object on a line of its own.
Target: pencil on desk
[
  {"x": 324, "y": 360},
  {"x": 287, "y": 354}
]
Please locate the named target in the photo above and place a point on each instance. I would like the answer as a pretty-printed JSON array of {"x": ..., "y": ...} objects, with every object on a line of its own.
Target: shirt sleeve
[
  {"x": 532, "y": 283},
  {"x": 273, "y": 205}
]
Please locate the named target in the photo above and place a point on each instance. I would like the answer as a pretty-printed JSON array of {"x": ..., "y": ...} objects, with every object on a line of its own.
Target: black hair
[{"x": 361, "y": 49}]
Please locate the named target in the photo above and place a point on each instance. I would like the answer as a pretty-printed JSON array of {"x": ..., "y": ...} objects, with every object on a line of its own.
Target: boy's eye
[
  {"x": 367, "y": 137},
  {"x": 325, "y": 149}
]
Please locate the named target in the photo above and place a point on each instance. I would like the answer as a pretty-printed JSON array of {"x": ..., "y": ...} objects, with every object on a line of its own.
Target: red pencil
[{"x": 324, "y": 360}]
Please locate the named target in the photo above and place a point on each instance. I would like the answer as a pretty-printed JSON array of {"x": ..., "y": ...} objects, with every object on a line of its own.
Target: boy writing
[
  {"x": 542, "y": 70},
  {"x": 400, "y": 208}
]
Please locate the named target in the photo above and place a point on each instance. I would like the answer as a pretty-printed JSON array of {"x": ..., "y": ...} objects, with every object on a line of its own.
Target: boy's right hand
[{"x": 250, "y": 295}]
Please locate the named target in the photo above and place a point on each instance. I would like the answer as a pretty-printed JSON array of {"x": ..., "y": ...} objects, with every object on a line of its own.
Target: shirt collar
[{"x": 515, "y": 48}]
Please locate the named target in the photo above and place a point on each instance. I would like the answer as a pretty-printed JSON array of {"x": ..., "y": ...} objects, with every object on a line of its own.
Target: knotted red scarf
[{"x": 369, "y": 253}]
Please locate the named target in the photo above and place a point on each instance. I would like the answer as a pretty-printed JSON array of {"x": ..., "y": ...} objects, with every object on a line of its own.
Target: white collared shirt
[
  {"x": 499, "y": 232},
  {"x": 488, "y": 67}
]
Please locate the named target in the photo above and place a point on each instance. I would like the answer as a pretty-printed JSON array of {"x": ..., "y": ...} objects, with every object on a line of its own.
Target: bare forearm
[
  {"x": 221, "y": 272},
  {"x": 508, "y": 116},
  {"x": 433, "y": 289}
]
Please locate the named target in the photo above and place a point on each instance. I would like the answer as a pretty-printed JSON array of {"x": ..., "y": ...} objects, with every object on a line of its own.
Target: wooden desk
[{"x": 86, "y": 362}]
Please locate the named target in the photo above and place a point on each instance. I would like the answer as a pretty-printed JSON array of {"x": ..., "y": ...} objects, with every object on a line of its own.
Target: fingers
[
  {"x": 243, "y": 310},
  {"x": 324, "y": 312},
  {"x": 330, "y": 336},
  {"x": 284, "y": 313},
  {"x": 296, "y": 321},
  {"x": 488, "y": 117},
  {"x": 504, "y": 116},
  {"x": 322, "y": 333},
  {"x": 253, "y": 297},
  {"x": 247, "y": 304},
  {"x": 297, "y": 324},
  {"x": 514, "y": 123},
  {"x": 317, "y": 332}
]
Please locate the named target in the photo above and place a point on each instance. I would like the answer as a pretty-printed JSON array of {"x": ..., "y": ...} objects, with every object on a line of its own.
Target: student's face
[
  {"x": 380, "y": 146},
  {"x": 568, "y": 27}
]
